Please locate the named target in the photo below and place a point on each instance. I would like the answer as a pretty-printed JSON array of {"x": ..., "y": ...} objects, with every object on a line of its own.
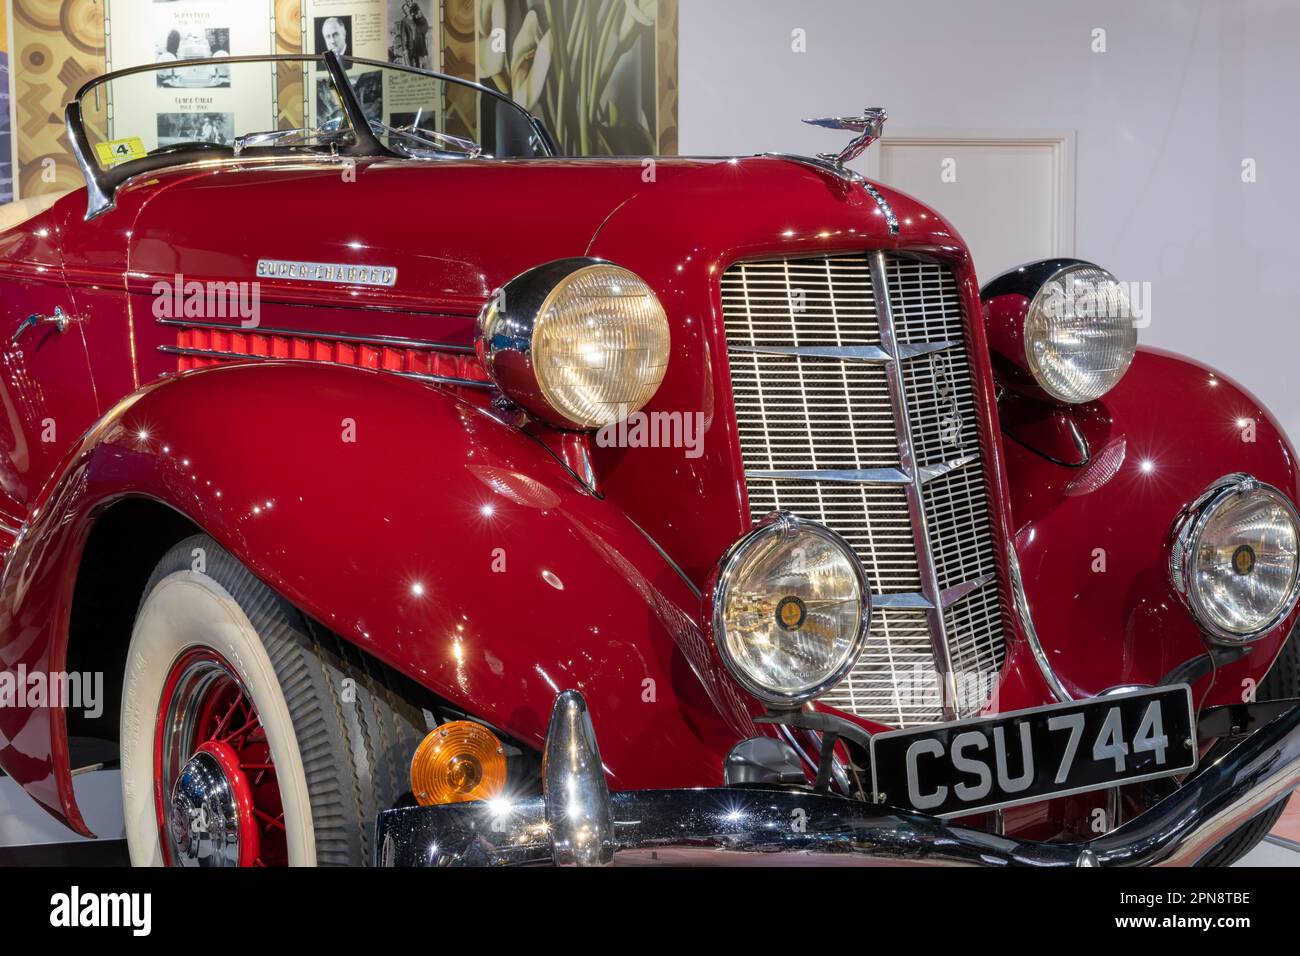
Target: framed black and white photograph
[
  {"x": 176, "y": 128},
  {"x": 176, "y": 43},
  {"x": 369, "y": 88},
  {"x": 329, "y": 112},
  {"x": 332, "y": 33},
  {"x": 410, "y": 33}
]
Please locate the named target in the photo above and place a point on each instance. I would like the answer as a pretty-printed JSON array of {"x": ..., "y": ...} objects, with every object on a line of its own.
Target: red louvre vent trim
[{"x": 200, "y": 347}]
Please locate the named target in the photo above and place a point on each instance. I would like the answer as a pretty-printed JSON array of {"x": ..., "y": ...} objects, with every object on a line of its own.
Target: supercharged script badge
[{"x": 326, "y": 272}]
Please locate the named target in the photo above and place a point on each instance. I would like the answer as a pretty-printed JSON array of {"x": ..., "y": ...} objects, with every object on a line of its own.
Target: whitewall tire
[{"x": 226, "y": 688}]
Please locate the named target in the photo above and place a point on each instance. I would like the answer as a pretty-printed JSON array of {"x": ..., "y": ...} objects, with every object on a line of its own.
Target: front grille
[
  {"x": 862, "y": 417},
  {"x": 801, "y": 395}
]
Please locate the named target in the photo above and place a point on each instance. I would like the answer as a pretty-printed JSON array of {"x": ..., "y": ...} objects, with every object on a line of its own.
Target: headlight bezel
[
  {"x": 1034, "y": 361},
  {"x": 1016, "y": 298},
  {"x": 1185, "y": 538},
  {"x": 508, "y": 328},
  {"x": 723, "y": 578}
]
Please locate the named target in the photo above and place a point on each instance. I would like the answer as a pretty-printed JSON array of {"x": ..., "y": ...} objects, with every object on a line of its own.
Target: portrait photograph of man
[{"x": 334, "y": 33}]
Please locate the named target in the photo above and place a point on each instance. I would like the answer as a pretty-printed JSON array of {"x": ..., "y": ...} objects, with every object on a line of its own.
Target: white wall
[{"x": 1185, "y": 92}]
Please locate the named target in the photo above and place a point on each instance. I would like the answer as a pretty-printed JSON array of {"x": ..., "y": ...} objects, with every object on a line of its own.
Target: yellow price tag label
[{"x": 120, "y": 150}]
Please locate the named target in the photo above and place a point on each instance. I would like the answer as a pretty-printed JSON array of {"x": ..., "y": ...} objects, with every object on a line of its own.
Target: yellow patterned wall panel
[{"x": 57, "y": 46}]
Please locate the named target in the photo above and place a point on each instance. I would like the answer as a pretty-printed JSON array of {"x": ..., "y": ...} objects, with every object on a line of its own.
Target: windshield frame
[{"x": 102, "y": 182}]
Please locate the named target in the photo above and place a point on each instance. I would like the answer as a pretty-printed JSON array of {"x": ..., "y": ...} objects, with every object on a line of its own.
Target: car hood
[{"x": 454, "y": 231}]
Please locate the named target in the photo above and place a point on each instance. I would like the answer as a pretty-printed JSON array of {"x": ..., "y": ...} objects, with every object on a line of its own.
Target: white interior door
[{"x": 1010, "y": 193}]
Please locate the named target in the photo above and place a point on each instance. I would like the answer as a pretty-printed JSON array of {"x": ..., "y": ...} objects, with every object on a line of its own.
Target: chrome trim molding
[
  {"x": 952, "y": 595},
  {"x": 915, "y": 504},
  {"x": 913, "y": 601},
  {"x": 886, "y": 210},
  {"x": 98, "y": 199},
  {"x": 743, "y": 827},
  {"x": 868, "y": 476},
  {"x": 948, "y": 598},
  {"x": 849, "y": 176},
  {"x": 909, "y": 350},
  {"x": 859, "y": 353},
  {"x": 437, "y": 379},
  {"x": 1021, "y": 602},
  {"x": 694, "y": 588},
  {"x": 931, "y": 472}
]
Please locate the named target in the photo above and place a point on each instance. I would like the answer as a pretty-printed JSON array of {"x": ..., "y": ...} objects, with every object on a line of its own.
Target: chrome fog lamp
[
  {"x": 790, "y": 610},
  {"x": 1234, "y": 558},
  {"x": 578, "y": 343}
]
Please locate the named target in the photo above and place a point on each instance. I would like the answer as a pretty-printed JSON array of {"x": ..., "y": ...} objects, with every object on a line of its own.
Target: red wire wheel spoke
[{"x": 209, "y": 728}]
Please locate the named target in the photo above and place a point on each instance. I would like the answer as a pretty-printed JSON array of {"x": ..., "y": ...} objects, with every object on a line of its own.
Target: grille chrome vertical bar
[{"x": 915, "y": 504}]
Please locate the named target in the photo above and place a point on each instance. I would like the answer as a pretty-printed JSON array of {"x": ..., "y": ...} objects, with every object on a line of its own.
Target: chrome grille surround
[{"x": 855, "y": 407}]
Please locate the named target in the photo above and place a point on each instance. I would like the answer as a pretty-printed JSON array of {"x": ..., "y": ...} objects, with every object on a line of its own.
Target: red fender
[
  {"x": 1169, "y": 429},
  {"x": 412, "y": 523}
]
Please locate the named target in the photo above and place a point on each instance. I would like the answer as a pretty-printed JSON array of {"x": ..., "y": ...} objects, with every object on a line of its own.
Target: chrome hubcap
[
  {"x": 203, "y": 824},
  {"x": 216, "y": 791}
]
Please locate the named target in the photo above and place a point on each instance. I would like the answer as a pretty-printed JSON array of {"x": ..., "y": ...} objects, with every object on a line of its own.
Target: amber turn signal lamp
[{"x": 460, "y": 760}]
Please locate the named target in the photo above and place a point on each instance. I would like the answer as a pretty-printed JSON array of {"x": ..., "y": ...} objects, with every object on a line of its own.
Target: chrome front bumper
[{"x": 580, "y": 822}]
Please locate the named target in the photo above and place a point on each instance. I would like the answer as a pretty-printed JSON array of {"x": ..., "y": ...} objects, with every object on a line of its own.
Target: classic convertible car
[{"x": 424, "y": 497}]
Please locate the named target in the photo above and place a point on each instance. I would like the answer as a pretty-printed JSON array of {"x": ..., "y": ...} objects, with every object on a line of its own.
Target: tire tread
[{"x": 354, "y": 752}]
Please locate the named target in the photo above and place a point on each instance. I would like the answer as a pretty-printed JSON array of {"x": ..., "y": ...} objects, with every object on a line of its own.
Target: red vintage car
[{"x": 424, "y": 497}]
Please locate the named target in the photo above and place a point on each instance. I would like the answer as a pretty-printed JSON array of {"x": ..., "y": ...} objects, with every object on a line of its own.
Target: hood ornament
[{"x": 868, "y": 126}]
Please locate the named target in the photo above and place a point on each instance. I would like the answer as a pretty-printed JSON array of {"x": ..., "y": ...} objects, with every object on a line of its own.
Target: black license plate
[{"x": 1030, "y": 755}]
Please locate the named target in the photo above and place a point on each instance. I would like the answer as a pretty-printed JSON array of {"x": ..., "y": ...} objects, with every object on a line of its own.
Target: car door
[{"x": 47, "y": 399}]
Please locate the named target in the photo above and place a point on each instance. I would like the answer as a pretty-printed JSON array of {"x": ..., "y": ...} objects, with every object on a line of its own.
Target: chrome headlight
[
  {"x": 1079, "y": 333},
  {"x": 1234, "y": 558},
  {"x": 791, "y": 607},
  {"x": 578, "y": 343}
]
